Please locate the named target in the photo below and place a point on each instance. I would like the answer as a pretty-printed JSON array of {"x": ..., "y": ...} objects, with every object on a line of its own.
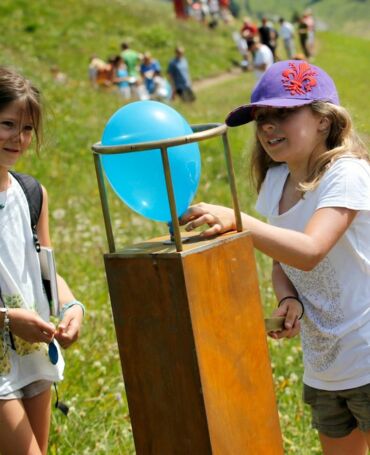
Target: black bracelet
[{"x": 295, "y": 298}]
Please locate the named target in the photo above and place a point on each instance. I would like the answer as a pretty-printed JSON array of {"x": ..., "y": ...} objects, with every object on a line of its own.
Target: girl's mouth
[
  {"x": 11, "y": 150},
  {"x": 275, "y": 141}
]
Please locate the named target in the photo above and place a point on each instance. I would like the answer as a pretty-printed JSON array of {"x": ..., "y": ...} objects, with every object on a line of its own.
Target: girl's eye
[
  {"x": 286, "y": 112},
  {"x": 28, "y": 128},
  {"x": 260, "y": 118},
  {"x": 7, "y": 123}
]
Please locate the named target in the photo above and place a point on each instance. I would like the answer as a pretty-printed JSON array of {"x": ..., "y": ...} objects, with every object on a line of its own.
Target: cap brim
[{"x": 244, "y": 114}]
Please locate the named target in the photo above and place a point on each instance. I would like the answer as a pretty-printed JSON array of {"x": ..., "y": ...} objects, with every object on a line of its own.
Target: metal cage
[{"x": 200, "y": 133}]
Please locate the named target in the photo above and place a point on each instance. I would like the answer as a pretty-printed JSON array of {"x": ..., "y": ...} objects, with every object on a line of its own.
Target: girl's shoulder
[
  {"x": 346, "y": 184},
  {"x": 348, "y": 166}
]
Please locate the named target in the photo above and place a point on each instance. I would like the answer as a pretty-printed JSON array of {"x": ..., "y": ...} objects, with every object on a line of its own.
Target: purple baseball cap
[{"x": 289, "y": 83}]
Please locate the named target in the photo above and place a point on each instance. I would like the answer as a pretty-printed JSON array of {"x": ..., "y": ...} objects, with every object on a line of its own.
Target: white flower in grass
[
  {"x": 289, "y": 360},
  {"x": 293, "y": 378},
  {"x": 59, "y": 214}
]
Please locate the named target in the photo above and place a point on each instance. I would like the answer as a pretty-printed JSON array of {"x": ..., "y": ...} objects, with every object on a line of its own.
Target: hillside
[{"x": 49, "y": 32}]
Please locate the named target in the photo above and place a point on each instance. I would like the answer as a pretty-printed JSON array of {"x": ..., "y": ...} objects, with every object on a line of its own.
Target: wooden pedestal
[{"x": 193, "y": 348}]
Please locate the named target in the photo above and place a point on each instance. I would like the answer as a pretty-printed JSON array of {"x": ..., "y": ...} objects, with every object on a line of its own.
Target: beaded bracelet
[
  {"x": 295, "y": 298},
  {"x": 69, "y": 305}
]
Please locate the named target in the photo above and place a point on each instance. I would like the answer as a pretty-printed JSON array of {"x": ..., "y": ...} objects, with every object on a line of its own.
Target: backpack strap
[{"x": 33, "y": 192}]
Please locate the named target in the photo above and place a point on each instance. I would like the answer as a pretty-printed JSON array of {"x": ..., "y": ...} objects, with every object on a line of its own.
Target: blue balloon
[{"x": 138, "y": 177}]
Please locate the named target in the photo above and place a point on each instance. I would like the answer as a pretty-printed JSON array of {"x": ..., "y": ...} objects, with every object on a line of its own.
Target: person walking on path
[
  {"x": 312, "y": 174},
  {"x": 287, "y": 35},
  {"x": 179, "y": 76},
  {"x": 30, "y": 357},
  {"x": 305, "y": 36},
  {"x": 268, "y": 35}
]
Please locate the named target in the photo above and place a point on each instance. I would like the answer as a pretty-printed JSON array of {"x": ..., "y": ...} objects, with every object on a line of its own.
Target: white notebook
[{"x": 49, "y": 278}]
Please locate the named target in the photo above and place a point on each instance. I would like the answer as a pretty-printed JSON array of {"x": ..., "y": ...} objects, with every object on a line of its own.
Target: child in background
[
  {"x": 312, "y": 173},
  {"x": 121, "y": 78},
  {"x": 26, "y": 370},
  {"x": 162, "y": 88}
]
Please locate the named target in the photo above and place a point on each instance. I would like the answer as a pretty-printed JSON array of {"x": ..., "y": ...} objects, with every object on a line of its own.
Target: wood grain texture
[{"x": 230, "y": 338}]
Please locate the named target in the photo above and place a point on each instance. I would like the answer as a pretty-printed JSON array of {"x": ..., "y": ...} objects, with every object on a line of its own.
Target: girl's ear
[{"x": 324, "y": 125}]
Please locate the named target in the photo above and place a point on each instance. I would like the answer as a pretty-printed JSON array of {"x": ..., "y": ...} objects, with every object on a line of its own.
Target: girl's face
[
  {"x": 289, "y": 135},
  {"x": 16, "y": 130}
]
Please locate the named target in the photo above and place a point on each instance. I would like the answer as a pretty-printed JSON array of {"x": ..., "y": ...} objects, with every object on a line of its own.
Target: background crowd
[
  {"x": 258, "y": 45},
  {"x": 138, "y": 75}
]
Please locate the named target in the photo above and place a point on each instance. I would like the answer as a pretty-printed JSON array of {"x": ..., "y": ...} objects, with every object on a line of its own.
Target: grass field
[{"x": 75, "y": 117}]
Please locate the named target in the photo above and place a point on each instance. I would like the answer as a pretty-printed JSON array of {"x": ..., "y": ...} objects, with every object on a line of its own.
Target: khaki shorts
[
  {"x": 336, "y": 413},
  {"x": 28, "y": 391}
]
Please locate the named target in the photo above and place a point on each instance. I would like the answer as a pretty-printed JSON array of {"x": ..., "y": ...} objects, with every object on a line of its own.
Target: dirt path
[{"x": 210, "y": 81}]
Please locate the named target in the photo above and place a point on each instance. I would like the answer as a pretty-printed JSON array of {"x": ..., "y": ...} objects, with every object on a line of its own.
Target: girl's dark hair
[
  {"x": 15, "y": 87},
  {"x": 341, "y": 139}
]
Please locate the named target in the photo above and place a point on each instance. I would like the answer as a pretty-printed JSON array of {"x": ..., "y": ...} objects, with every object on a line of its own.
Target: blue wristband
[{"x": 69, "y": 305}]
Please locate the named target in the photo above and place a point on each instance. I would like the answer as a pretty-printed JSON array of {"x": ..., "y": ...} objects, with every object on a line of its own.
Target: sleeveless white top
[{"x": 21, "y": 287}]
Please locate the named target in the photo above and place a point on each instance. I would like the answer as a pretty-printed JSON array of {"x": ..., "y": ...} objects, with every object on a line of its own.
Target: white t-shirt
[
  {"x": 263, "y": 55},
  {"x": 286, "y": 30},
  {"x": 336, "y": 293},
  {"x": 21, "y": 287}
]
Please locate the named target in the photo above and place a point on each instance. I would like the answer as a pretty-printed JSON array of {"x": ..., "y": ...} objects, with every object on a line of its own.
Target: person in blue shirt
[
  {"x": 148, "y": 69},
  {"x": 179, "y": 77}
]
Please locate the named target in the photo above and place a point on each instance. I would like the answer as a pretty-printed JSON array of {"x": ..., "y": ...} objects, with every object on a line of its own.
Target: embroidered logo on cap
[{"x": 300, "y": 79}]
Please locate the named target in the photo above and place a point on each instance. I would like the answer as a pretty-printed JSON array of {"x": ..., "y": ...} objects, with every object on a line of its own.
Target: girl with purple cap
[{"x": 312, "y": 174}]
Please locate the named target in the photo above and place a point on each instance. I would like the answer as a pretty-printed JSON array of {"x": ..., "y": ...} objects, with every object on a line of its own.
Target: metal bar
[
  {"x": 171, "y": 198},
  {"x": 231, "y": 174},
  {"x": 104, "y": 203},
  {"x": 215, "y": 129}
]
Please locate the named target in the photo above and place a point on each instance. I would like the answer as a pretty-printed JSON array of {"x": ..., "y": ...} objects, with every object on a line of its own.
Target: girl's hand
[
  {"x": 219, "y": 219},
  {"x": 29, "y": 326},
  {"x": 69, "y": 328},
  {"x": 291, "y": 309}
]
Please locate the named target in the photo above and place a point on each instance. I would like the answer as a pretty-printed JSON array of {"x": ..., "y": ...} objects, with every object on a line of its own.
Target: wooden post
[{"x": 193, "y": 347}]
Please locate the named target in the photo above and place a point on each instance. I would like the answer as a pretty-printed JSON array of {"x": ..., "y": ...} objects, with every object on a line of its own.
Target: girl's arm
[
  {"x": 302, "y": 250},
  {"x": 291, "y": 309},
  {"x": 69, "y": 328}
]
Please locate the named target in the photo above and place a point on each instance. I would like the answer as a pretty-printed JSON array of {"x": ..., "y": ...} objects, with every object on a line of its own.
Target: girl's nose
[
  {"x": 17, "y": 136},
  {"x": 268, "y": 125}
]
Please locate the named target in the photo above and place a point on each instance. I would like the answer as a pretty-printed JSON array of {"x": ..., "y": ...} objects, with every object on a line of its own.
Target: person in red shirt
[{"x": 248, "y": 30}]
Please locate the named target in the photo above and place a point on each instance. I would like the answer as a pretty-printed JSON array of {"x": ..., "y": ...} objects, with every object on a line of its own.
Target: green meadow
[{"x": 37, "y": 35}]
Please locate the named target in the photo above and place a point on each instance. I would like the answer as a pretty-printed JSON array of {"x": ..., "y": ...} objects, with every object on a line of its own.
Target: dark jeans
[{"x": 186, "y": 94}]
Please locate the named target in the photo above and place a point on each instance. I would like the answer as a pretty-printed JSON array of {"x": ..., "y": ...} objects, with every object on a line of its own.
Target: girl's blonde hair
[
  {"x": 15, "y": 87},
  {"x": 341, "y": 140}
]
